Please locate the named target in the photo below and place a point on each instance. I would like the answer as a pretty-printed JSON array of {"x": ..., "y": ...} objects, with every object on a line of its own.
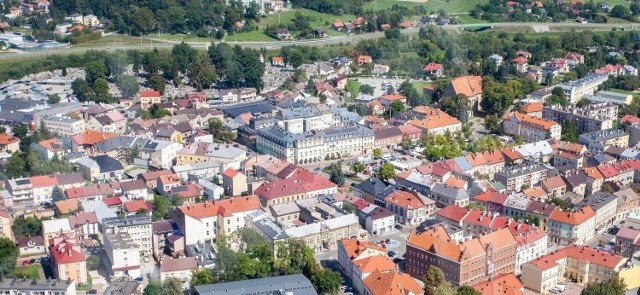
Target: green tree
[
  {"x": 336, "y": 175},
  {"x": 20, "y": 131},
  {"x": 366, "y": 89},
  {"x": 620, "y": 11},
  {"x": 492, "y": 123},
  {"x": 93, "y": 262},
  {"x": 433, "y": 279},
  {"x": 557, "y": 97},
  {"x": 8, "y": 255},
  {"x": 201, "y": 277},
  {"x": 95, "y": 70},
  {"x": 377, "y": 153},
  {"x": 219, "y": 132},
  {"x": 201, "y": 72},
  {"x": 3, "y": 130},
  {"x": 326, "y": 281},
  {"x": 614, "y": 286},
  {"x": 57, "y": 194},
  {"x": 397, "y": 106},
  {"x": 158, "y": 112},
  {"x": 156, "y": 83},
  {"x": 83, "y": 91},
  {"x": 128, "y": 86},
  {"x": 29, "y": 226},
  {"x": 583, "y": 102},
  {"x": 357, "y": 167},
  {"x": 564, "y": 205},
  {"x": 386, "y": 171},
  {"x": 172, "y": 286},
  {"x": 161, "y": 208},
  {"x": 466, "y": 290},
  {"x": 16, "y": 166},
  {"x": 569, "y": 131},
  {"x": 53, "y": 98},
  {"x": 143, "y": 114},
  {"x": 177, "y": 200},
  {"x": 152, "y": 288},
  {"x": 414, "y": 98}
]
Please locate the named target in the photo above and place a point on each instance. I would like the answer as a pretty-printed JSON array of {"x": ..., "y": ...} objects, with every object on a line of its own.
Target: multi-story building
[
  {"x": 138, "y": 227},
  {"x": 303, "y": 184},
  {"x": 531, "y": 129},
  {"x": 627, "y": 241},
  {"x": 531, "y": 245},
  {"x": 566, "y": 228},
  {"x": 203, "y": 222},
  {"x": 599, "y": 141},
  {"x": 237, "y": 95},
  {"x": 352, "y": 249},
  {"x": 68, "y": 259},
  {"x": 517, "y": 176},
  {"x": 64, "y": 126},
  {"x": 409, "y": 207},
  {"x": 179, "y": 268},
  {"x": 206, "y": 151},
  {"x": 37, "y": 189},
  {"x": 326, "y": 234},
  {"x": 317, "y": 145},
  {"x": 590, "y": 118},
  {"x": 123, "y": 254},
  {"x": 575, "y": 90},
  {"x": 148, "y": 98},
  {"x": 37, "y": 287},
  {"x": 466, "y": 263},
  {"x": 582, "y": 264},
  {"x": 435, "y": 121},
  {"x": 604, "y": 204},
  {"x": 305, "y": 119},
  {"x": 611, "y": 97}
]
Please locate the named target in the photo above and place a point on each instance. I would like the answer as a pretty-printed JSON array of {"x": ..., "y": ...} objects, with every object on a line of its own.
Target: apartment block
[
  {"x": 123, "y": 254},
  {"x": 69, "y": 261},
  {"x": 138, "y": 227},
  {"x": 599, "y": 141},
  {"x": 64, "y": 126},
  {"x": 410, "y": 208},
  {"x": 303, "y": 184},
  {"x": 531, "y": 129},
  {"x": 590, "y": 118},
  {"x": 576, "y": 89},
  {"x": 568, "y": 228},
  {"x": 37, "y": 287},
  {"x": 326, "y": 234},
  {"x": 515, "y": 177},
  {"x": 305, "y": 119}
]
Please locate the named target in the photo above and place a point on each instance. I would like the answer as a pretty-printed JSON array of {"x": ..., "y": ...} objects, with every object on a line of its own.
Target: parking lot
[{"x": 377, "y": 84}]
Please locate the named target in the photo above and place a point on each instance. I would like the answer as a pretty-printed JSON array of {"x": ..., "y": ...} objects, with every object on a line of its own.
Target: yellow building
[
  {"x": 205, "y": 151},
  {"x": 5, "y": 224},
  {"x": 68, "y": 260},
  {"x": 581, "y": 264}
]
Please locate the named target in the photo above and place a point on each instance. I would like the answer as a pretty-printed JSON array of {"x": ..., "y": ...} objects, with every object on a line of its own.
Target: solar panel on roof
[
  {"x": 23, "y": 181},
  {"x": 55, "y": 146},
  {"x": 152, "y": 145},
  {"x": 179, "y": 189}
]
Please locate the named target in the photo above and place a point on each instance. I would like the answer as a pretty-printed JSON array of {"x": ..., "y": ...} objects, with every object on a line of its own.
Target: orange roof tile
[
  {"x": 224, "y": 207},
  {"x": 391, "y": 283},
  {"x": 534, "y": 192},
  {"x": 43, "y": 181},
  {"x": 438, "y": 241},
  {"x": 468, "y": 85},
  {"x": 354, "y": 248},
  {"x": 373, "y": 263},
  {"x": 150, "y": 93},
  {"x": 91, "y": 137},
  {"x": 581, "y": 253},
  {"x": 230, "y": 172},
  {"x": 8, "y": 139},
  {"x": 552, "y": 183},
  {"x": 530, "y": 121},
  {"x": 573, "y": 218},
  {"x": 593, "y": 172},
  {"x": 504, "y": 284},
  {"x": 404, "y": 199},
  {"x": 531, "y": 107},
  {"x": 498, "y": 239},
  {"x": 277, "y": 59},
  {"x": 453, "y": 212},
  {"x": 67, "y": 206},
  {"x": 53, "y": 144},
  {"x": 392, "y": 97},
  {"x": 455, "y": 182},
  {"x": 435, "y": 119}
]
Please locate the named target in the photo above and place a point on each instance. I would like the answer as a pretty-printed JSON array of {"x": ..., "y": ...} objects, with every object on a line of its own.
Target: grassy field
[
  {"x": 250, "y": 36},
  {"x": 29, "y": 272},
  {"x": 466, "y": 19},
  {"x": 634, "y": 94},
  {"x": 114, "y": 40},
  {"x": 318, "y": 19},
  {"x": 449, "y": 6},
  {"x": 419, "y": 85},
  {"x": 386, "y": 4}
]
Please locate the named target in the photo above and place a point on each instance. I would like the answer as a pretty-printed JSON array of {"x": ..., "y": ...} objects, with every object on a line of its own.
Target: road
[{"x": 318, "y": 42}]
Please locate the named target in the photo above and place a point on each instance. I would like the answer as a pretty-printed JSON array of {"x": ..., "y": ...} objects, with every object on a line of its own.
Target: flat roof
[{"x": 297, "y": 284}]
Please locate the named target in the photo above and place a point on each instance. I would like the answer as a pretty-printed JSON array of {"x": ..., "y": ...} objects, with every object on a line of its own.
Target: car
[
  {"x": 398, "y": 226},
  {"x": 387, "y": 241},
  {"x": 317, "y": 169},
  {"x": 382, "y": 242},
  {"x": 397, "y": 260},
  {"x": 46, "y": 204},
  {"x": 25, "y": 262},
  {"x": 392, "y": 253},
  {"x": 138, "y": 279},
  {"x": 32, "y": 261}
]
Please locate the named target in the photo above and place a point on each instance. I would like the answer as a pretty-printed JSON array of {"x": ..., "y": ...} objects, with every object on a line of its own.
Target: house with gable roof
[{"x": 470, "y": 86}]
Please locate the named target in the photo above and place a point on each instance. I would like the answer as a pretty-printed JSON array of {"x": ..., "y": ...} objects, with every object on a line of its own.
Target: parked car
[
  {"x": 32, "y": 261},
  {"x": 25, "y": 262},
  {"x": 392, "y": 253}
]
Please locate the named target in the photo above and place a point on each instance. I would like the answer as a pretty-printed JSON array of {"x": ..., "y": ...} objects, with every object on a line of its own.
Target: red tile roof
[
  {"x": 433, "y": 67},
  {"x": 405, "y": 200},
  {"x": 177, "y": 264},
  {"x": 300, "y": 182},
  {"x": 113, "y": 201},
  {"x": 91, "y": 137},
  {"x": 391, "y": 283},
  {"x": 135, "y": 206},
  {"x": 581, "y": 253},
  {"x": 230, "y": 172},
  {"x": 438, "y": 241},
  {"x": 224, "y": 207},
  {"x": 630, "y": 119},
  {"x": 65, "y": 250},
  {"x": 392, "y": 97},
  {"x": 43, "y": 181},
  {"x": 531, "y": 107},
  {"x": 8, "y": 139},
  {"x": 453, "y": 212},
  {"x": 573, "y": 218},
  {"x": 150, "y": 93},
  {"x": 468, "y": 85},
  {"x": 530, "y": 121},
  {"x": 504, "y": 284}
]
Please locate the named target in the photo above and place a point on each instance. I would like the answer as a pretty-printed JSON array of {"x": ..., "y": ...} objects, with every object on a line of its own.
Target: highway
[{"x": 333, "y": 40}]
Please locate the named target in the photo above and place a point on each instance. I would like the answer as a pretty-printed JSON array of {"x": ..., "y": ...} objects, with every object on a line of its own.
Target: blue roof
[{"x": 463, "y": 163}]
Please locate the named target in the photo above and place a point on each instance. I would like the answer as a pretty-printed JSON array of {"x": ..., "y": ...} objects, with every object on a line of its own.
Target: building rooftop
[
  {"x": 297, "y": 284},
  {"x": 26, "y": 285},
  {"x": 582, "y": 253}
]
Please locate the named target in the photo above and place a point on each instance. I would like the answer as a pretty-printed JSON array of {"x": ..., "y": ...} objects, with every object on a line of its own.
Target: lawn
[
  {"x": 419, "y": 85},
  {"x": 634, "y": 94},
  {"x": 449, "y": 6},
  {"x": 318, "y": 19},
  {"x": 114, "y": 39},
  {"x": 28, "y": 272},
  {"x": 467, "y": 19}
]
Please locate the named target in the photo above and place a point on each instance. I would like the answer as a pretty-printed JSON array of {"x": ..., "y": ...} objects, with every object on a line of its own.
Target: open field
[
  {"x": 29, "y": 272},
  {"x": 449, "y": 6},
  {"x": 419, "y": 85},
  {"x": 114, "y": 39}
]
